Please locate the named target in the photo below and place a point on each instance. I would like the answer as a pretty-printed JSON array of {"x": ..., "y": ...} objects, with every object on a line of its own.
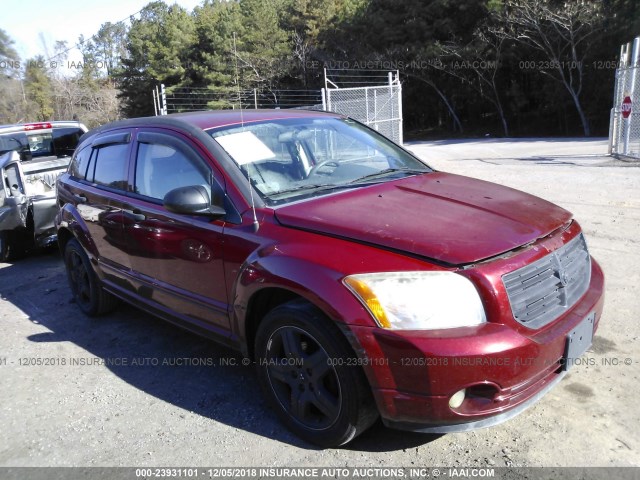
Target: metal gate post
[
  {"x": 633, "y": 67},
  {"x": 163, "y": 93},
  {"x": 155, "y": 104},
  {"x": 612, "y": 116},
  {"x": 366, "y": 103},
  {"x": 400, "y": 117}
]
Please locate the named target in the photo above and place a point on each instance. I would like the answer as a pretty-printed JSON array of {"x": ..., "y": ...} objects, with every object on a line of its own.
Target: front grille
[{"x": 540, "y": 292}]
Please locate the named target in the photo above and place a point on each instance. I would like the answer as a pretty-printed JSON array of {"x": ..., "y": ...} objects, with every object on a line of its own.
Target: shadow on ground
[{"x": 178, "y": 367}]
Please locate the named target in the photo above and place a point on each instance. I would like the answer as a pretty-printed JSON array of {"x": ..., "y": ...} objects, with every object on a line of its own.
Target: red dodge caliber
[{"x": 361, "y": 282}]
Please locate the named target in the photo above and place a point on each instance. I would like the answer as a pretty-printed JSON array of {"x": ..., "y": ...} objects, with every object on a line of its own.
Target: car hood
[{"x": 453, "y": 219}]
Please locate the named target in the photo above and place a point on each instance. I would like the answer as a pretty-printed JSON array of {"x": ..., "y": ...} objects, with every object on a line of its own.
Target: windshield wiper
[
  {"x": 388, "y": 171},
  {"x": 312, "y": 188}
]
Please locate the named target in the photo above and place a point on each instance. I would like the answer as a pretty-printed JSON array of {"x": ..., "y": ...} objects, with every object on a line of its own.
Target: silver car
[{"x": 31, "y": 158}]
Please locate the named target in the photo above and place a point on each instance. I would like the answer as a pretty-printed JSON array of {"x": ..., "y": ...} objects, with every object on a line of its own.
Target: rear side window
[
  {"x": 108, "y": 166},
  {"x": 79, "y": 163}
]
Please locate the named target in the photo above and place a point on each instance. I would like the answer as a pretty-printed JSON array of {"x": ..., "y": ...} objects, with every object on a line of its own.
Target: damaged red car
[{"x": 361, "y": 282}]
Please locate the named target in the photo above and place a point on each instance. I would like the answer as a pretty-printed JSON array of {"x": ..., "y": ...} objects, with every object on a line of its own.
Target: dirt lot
[{"x": 179, "y": 413}]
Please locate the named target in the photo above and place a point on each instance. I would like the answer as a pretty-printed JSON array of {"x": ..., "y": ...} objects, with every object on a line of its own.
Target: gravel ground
[{"x": 77, "y": 411}]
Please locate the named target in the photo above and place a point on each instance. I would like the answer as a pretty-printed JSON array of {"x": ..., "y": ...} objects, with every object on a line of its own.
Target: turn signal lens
[{"x": 366, "y": 294}]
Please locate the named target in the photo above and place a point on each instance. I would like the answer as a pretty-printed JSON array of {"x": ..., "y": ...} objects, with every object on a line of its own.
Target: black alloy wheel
[
  {"x": 87, "y": 291},
  {"x": 310, "y": 375}
]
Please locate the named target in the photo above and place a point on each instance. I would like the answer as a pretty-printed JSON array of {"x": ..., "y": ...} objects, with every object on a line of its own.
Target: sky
[{"x": 33, "y": 23}]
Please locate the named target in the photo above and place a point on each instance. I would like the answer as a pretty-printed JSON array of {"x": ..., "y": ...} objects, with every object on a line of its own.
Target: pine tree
[{"x": 38, "y": 87}]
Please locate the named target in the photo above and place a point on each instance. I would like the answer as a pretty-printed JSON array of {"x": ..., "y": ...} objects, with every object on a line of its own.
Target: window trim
[
  {"x": 148, "y": 138},
  {"x": 174, "y": 139},
  {"x": 74, "y": 159},
  {"x": 125, "y": 170},
  {"x": 97, "y": 143},
  {"x": 111, "y": 139}
]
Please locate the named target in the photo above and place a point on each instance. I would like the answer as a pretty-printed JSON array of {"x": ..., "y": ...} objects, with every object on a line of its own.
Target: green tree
[
  {"x": 110, "y": 46},
  {"x": 156, "y": 52},
  {"x": 89, "y": 71},
  {"x": 210, "y": 57},
  {"x": 262, "y": 49},
  {"x": 8, "y": 55},
  {"x": 309, "y": 24},
  {"x": 12, "y": 96},
  {"x": 241, "y": 41},
  {"x": 38, "y": 87},
  {"x": 408, "y": 35}
]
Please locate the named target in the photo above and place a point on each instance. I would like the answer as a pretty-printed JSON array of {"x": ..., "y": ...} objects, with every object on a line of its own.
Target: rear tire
[
  {"x": 4, "y": 247},
  {"x": 9, "y": 247},
  {"x": 87, "y": 291},
  {"x": 306, "y": 370}
]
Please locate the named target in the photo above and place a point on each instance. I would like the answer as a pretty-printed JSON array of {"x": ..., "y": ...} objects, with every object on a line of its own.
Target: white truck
[{"x": 32, "y": 155}]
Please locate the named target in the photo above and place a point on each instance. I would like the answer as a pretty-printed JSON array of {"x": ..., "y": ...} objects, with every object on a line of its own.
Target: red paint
[
  {"x": 452, "y": 219},
  {"x": 207, "y": 273}
]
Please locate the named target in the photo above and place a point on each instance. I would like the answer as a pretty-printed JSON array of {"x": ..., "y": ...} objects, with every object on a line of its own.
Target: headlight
[{"x": 418, "y": 300}]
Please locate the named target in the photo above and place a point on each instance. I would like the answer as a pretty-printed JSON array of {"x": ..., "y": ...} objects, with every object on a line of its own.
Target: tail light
[{"x": 36, "y": 126}]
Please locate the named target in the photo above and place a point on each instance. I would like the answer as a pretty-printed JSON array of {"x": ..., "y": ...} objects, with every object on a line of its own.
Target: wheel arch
[
  {"x": 64, "y": 235},
  {"x": 69, "y": 224},
  {"x": 269, "y": 281},
  {"x": 261, "y": 303},
  {"x": 353, "y": 415}
]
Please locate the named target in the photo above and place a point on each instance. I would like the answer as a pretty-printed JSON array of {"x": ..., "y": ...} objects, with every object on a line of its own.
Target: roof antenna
[
  {"x": 235, "y": 54},
  {"x": 256, "y": 224}
]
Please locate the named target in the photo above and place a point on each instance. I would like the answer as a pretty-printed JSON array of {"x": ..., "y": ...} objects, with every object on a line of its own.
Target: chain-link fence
[
  {"x": 624, "y": 128},
  {"x": 372, "y": 97},
  {"x": 191, "y": 99},
  {"x": 377, "y": 107}
]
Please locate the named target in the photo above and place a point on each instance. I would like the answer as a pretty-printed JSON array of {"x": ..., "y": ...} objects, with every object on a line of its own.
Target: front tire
[
  {"x": 87, "y": 291},
  {"x": 307, "y": 371}
]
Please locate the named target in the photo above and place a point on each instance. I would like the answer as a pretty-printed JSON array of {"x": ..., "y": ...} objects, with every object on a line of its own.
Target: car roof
[
  {"x": 206, "y": 120},
  {"x": 195, "y": 124},
  {"x": 220, "y": 118}
]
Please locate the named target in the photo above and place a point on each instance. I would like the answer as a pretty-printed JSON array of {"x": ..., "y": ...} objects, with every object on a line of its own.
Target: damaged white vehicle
[{"x": 32, "y": 156}]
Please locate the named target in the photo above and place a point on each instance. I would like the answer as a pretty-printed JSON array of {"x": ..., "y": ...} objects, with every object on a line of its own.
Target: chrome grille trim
[{"x": 540, "y": 292}]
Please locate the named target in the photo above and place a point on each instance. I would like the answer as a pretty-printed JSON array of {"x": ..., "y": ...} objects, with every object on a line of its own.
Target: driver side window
[{"x": 161, "y": 167}]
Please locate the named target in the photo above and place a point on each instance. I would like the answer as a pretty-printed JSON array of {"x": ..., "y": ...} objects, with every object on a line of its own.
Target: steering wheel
[{"x": 316, "y": 169}]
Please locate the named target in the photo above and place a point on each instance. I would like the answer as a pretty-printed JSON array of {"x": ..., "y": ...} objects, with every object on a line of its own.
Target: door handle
[
  {"x": 136, "y": 215},
  {"x": 80, "y": 198}
]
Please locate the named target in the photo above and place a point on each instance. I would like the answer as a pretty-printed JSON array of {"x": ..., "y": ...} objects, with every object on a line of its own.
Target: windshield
[{"x": 298, "y": 158}]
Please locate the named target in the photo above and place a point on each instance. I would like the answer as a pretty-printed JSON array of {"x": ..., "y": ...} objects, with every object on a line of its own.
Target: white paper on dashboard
[{"x": 245, "y": 147}]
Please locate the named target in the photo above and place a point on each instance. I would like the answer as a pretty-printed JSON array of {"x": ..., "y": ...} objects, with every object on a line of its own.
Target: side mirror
[{"x": 192, "y": 200}]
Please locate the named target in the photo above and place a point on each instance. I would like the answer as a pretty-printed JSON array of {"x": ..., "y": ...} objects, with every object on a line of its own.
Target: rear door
[
  {"x": 98, "y": 187},
  {"x": 176, "y": 259}
]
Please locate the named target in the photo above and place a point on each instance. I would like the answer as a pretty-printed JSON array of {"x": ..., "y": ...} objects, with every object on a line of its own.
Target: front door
[
  {"x": 176, "y": 259},
  {"x": 98, "y": 187}
]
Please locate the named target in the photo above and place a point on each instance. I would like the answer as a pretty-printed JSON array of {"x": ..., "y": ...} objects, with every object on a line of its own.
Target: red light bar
[{"x": 37, "y": 126}]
